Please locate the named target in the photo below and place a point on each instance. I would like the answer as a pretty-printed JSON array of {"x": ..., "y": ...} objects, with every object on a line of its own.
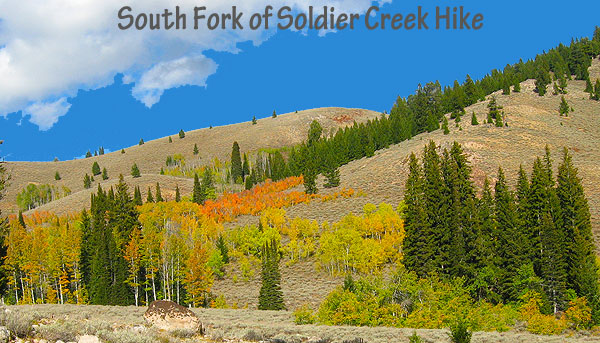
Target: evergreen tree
[
  {"x": 494, "y": 111},
  {"x": 575, "y": 220},
  {"x": 208, "y": 187},
  {"x": 159, "y": 197},
  {"x": 249, "y": 182},
  {"x": 222, "y": 246},
  {"x": 588, "y": 87},
  {"x": 122, "y": 151},
  {"x": 542, "y": 81},
  {"x": 197, "y": 191},
  {"x": 499, "y": 122},
  {"x": 418, "y": 241},
  {"x": 274, "y": 114},
  {"x": 104, "y": 174},
  {"x": 445, "y": 126},
  {"x": 177, "y": 194},
  {"x": 314, "y": 133},
  {"x": 101, "y": 151},
  {"x": 149, "y": 198},
  {"x": 562, "y": 85},
  {"x": 57, "y": 176},
  {"x": 22, "y": 220},
  {"x": 181, "y": 134},
  {"x": 553, "y": 266},
  {"x": 87, "y": 181},
  {"x": 170, "y": 139},
  {"x": 270, "y": 295},
  {"x": 474, "y": 119},
  {"x": 564, "y": 108},
  {"x": 237, "y": 171},
  {"x": 253, "y": 120},
  {"x": 137, "y": 196},
  {"x": 196, "y": 152},
  {"x": 88, "y": 154},
  {"x": 135, "y": 171},
  {"x": 141, "y": 141}
]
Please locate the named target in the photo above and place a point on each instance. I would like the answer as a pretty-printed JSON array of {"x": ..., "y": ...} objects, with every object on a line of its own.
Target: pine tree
[
  {"x": 506, "y": 88},
  {"x": 314, "y": 133},
  {"x": 170, "y": 139},
  {"x": 141, "y": 141},
  {"x": 104, "y": 174},
  {"x": 208, "y": 187},
  {"x": 270, "y": 295},
  {"x": 474, "y": 119},
  {"x": 562, "y": 85},
  {"x": 137, "y": 196},
  {"x": 494, "y": 111},
  {"x": 88, "y": 154},
  {"x": 22, "y": 220},
  {"x": 274, "y": 114},
  {"x": 222, "y": 246},
  {"x": 196, "y": 151},
  {"x": 197, "y": 191},
  {"x": 135, "y": 171},
  {"x": 499, "y": 122},
  {"x": 445, "y": 126},
  {"x": 237, "y": 171},
  {"x": 575, "y": 220},
  {"x": 249, "y": 182},
  {"x": 245, "y": 167},
  {"x": 177, "y": 194},
  {"x": 149, "y": 198},
  {"x": 122, "y": 151},
  {"x": 418, "y": 242},
  {"x": 542, "y": 81},
  {"x": 159, "y": 197},
  {"x": 588, "y": 86},
  {"x": 96, "y": 169},
  {"x": 87, "y": 182},
  {"x": 553, "y": 266},
  {"x": 101, "y": 151},
  {"x": 564, "y": 108},
  {"x": 181, "y": 134},
  {"x": 253, "y": 120},
  {"x": 57, "y": 176}
]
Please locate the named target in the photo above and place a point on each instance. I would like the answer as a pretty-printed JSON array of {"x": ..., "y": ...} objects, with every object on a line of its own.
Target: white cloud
[
  {"x": 49, "y": 49},
  {"x": 165, "y": 75},
  {"x": 46, "y": 114}
]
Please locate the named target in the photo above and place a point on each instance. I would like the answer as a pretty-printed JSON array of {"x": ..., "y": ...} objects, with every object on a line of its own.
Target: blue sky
[{"x": 293, "y": 71}]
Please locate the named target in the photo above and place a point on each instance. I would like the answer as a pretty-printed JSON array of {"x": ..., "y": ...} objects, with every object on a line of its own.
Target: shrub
[
  {"x": 579, "y": 314},
  {"x": 18, "y": 324},
  {"x": 459, "y": 332},
  {"x": 414, "y": 338},
  {"x": 304, "y": 315},
  {"x": 58, "y": 331}
]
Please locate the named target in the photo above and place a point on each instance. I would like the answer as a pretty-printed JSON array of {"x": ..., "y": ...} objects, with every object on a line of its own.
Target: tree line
[{"x": 504, "y": 243}]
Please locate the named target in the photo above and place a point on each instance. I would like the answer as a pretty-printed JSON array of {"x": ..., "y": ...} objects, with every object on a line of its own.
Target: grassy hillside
[{"x": 285, "y": 130}]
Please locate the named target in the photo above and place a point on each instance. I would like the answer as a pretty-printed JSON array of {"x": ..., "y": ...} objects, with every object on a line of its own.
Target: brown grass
[{"x": 126, "y": 324}]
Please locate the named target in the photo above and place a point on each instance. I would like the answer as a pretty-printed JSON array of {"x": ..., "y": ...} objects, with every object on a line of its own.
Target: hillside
[{"x": 285, "y": 130}]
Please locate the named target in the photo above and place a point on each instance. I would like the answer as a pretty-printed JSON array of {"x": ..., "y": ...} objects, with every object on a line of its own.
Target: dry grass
[
  {"x": 125, "y": 324},
  {"x": 285, "y": 130}
]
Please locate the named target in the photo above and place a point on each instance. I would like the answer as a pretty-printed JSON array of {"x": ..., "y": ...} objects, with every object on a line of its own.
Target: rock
[
  {"x": 139, "y": 329},
  {"x": 88, "y": 339},
  {"x": 167, "y": 315},
  {"x": 4, "y": 334}
]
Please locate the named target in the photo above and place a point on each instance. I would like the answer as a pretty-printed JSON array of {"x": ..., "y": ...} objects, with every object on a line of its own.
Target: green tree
[
  {"x": 493, "y": 110},
  {"x": 575, "y": 220},
  {"x": 149, "y": 198},
  {"x": 542, "y": 81},
  {"x": 88, "y": 154},
  {"x": 177, "y": 194},
  {"x": 57, "y": 176},
  {"x": 196, "y": 152},
  {"x": 564, "y": 107},
  {"x": 87, "y": 181},
  {"x": 159, "y": 197},
  {"x": 314, "y": 133},
  {"x": 517, "y": 87},
  {"x": 254, "y": 120},
  {"x": 588, "y": 86},
  {"x": 135, "y": 171},
  {"x": 96, "y": 169},
  {"x": 208, "y": 186},
  {"x": 101, "y": 151},
  {"x": 137, "y": 196},
  {"x": 237, "y": 171},
  {"x": 562, "y": 85},
  {"x": 474, "y": 119},
  {"x": 104, "y": 174},
  {"x": 122, "y": 151},
  {"x": 181, "y": 134},
  {"x": 170, "y": 139},
  {"x": 270, "y": 295},
  {"x": 197, "y": 191},
  {"x": 245, "y": 167},
  {"x": 445, "y": 126},
  {"x": 222, "y": 246},
  {"x": 274, "y": 114},
  {"x": 596, "y": 95},
  {"x": 141, "y": 141}
]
